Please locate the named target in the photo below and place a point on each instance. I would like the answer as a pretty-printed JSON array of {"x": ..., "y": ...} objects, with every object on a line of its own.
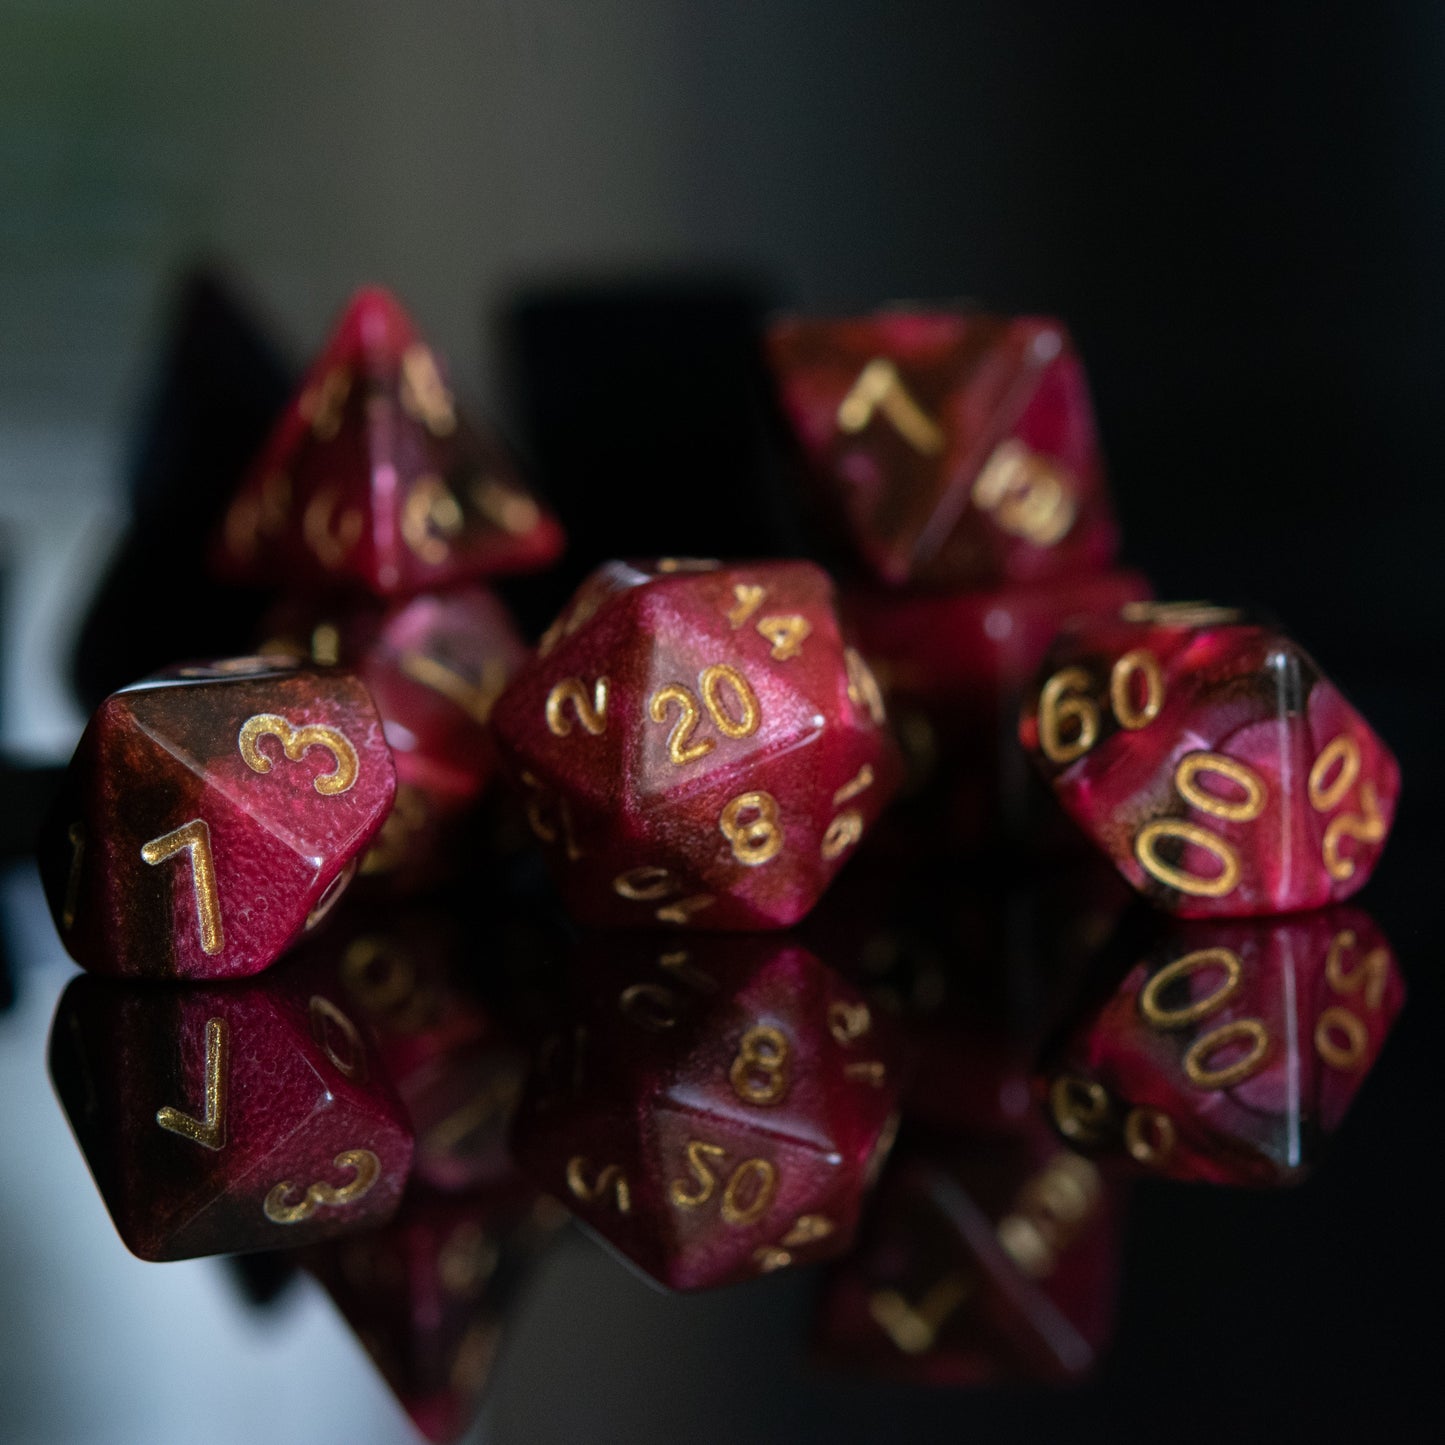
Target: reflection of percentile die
[
  {"x": 713, "y": 1111},
  {"x": 696, "y": 745},
  {"x": 225, "y": 1119},
  {"x": 1231, "y": 1050}
]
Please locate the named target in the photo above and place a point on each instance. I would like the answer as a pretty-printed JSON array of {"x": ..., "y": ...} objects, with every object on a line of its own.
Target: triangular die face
[{"x": 374, "y": 475}]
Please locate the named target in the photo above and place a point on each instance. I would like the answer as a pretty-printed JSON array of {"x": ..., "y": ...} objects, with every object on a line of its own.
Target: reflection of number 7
[{"x": 194, "y": 837}]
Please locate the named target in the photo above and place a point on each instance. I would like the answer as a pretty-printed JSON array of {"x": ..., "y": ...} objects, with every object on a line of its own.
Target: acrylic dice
[
  {"x": 696, "y": 744},
  {"x": 1230, "y": 1052},
  {"x": 713, "y": 1112},
  {"x": 428, "y": 1295},
  {"x": 981, "y": 1264},
  {"x": 374, "y": 479},
  {"x": 211, "y": 815},
  {"x": 1211, "y": 760},
  {"x": 955, "y": 449},
  {"x": 222, "y": 1119}
]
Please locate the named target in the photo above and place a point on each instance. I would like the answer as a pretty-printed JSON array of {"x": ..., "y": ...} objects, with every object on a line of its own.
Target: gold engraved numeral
[
  {"x": 1150, "y": 1136},
  {"x": 1204, "y": 1048},
  {"x": 1243, "y": 810},
  {"x": 543, "y": 828},
  {"x": 366, "y": 1169},
  {"x": 337, "y": 1037},
  {"x": 1026, "y": 494},
  {"x": 323, "y": 403},
  {"x": 860, "y": 782},
  {"x": 430, "y": 517},
  {"x": 879, "y": 387},
  {"x": 747, "y": 598},
  {"x": 610, "y": 1179},
  {"x": 194, "y": 839},
  {"x": 651, "y": 884},
  {"x": 1331, "y": 1024},
  {"x": 1069, "y": 716},
  {"x": 476, "y": 699},
  {"x": 1160, "y": 1017},
  {"x": 1340, "y": 756},
  {"x": 1366, "y": 827},
  {"x": 76, "y": 834},
  {"x": 914, "y": 1328},
  {"x": 294, "y": 743},
  {"x": 209, "y": 1131},
  {"x": 1080, "y": 1109},
  {"x": 750, "y": 823},
  {"x": 749, "y": 1190},
  {"x": 869, "y": 1072},
  {"x": 787, "y": 632},
  {"x": 1372, "y": 974},
  {"x": 591, "y": 711},
  {"x": 843, "y": 832},
  {"x": 848, "y": 1022},
  {"x": 327, "y": 537},
  {"x": 759, "y": 1072},
  {"x": 424, "y": 395},
  {"x": 682, "y": 911},
  {"x": 863, "y": 689},
  {"x": 741, "y": 720}
]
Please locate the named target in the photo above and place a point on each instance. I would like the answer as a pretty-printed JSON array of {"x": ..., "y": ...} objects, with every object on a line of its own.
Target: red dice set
[{"x": 695, "y": 1039}]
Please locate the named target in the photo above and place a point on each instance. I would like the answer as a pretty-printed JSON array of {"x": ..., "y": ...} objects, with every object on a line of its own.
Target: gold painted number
[
  {"x": 879, "y": 387},
  {"x": 750, "y": 824},
  {"x": 591, "y": 711},
  {"x": 294, "y": 743},
  {"x": 1026, "y": 494},
  {"x": 759, "y": 1072},
  {"x": 739, "y": 720},
  {"x": 749, "y": 1190},
  {"x": 366, "y": 1169},
  {"x": 209, "y": 1131},
  {"x": 1069, "y": 716},
  {"x": 194, "y": 839},
  {"x": 610, "y": 1179},
  {"x": 1334, "y": 773}
]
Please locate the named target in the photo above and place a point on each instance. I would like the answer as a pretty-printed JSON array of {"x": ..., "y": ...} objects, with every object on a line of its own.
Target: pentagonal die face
[
  {"x": 1231, "y": 1051},
  {"x": 713, "y": 1112},
  {"x": 211, "y": 815},
  {"x": 1210, "y": 759},
  {"x": 956, "y": 449},
  {"x": 225, "y": 1119},
  {"x": 373, "y": 478},
  {"x": 701, "y": 748}
]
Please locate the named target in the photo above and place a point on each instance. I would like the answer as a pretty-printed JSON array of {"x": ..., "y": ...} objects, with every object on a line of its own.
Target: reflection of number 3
[
  {"x": 294, "y": 742},
  {"x": 367, "y": 1167}
]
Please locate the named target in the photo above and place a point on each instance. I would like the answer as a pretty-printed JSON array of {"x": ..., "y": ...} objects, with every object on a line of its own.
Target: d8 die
[
  {"x": 957, "y": 449},
  {"x": 697, "y": 745},
  {"x": 1211, "y": 760},
  {"x": 210, "y": 815},
  {"x": 714, "y": 1112},
  {"x": 373, "y": 478},
  {"x": 982, "y": 1264},
  {"x": 1230, "y": 1053},
  {"x": 217, "y": 1120}
]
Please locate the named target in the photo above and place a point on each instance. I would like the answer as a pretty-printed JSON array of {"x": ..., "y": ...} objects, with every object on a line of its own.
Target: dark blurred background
[{"x": 1238, "y": 208}]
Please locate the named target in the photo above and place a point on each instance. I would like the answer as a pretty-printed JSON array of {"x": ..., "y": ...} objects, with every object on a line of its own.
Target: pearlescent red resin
[
  {"x": 980, "y": 1264},
  {"x": 374, "y": 478},
  {"x": 713, "y": 1112},
  {"x": 695, "y": 744},
  {"x": 1230, "y": 1053},
  {"x": 1210, "y": 759},
  {"x": 955, "y": 449},
  {"x": 211, "y": 815},
  {"x": 223, "y": 1119}
]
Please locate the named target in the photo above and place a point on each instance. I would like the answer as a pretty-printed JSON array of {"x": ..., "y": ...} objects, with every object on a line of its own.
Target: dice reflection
[
  {"x": 223, "y": 1119},
  {"x": 982, "y": 1263},
  {"x": 715, "y": 1111},
  {"x": 428, "y": 1294},
  {"x": 1228, "y": 1052}
]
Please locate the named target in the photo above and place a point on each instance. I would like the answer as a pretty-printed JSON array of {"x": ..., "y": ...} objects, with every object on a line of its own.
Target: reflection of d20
[
  {"x": 991, "y": 1263},
  {"x": 1232, "y": 1050},
  {"x": 714, "y": 1111},
  {"x": 222, "y": 1120}
]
